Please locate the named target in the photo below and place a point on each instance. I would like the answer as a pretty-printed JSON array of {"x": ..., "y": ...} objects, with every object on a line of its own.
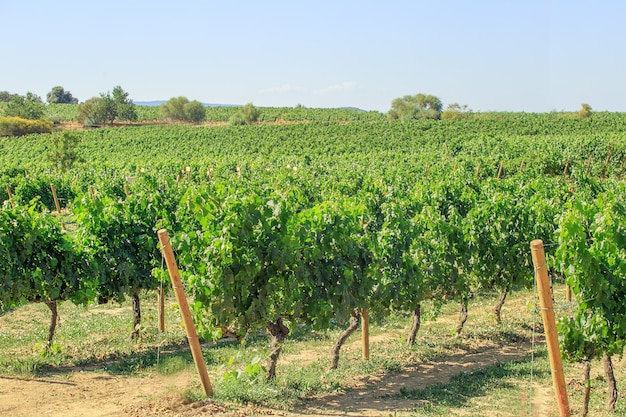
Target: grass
[{"x": 97, "y": 337}]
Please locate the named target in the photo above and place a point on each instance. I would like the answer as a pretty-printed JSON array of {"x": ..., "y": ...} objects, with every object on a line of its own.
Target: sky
[{"x": 500, "y": 55}]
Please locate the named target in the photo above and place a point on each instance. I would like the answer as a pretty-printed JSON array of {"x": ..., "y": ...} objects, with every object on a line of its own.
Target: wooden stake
[
  {"x": 10, "y": 197},
  {"x": 500, "y": 171},
  {"x": 521, "y": 166},
  {"x": 365, "y": 334},
  {"x": 608, "y": 157},
  {"x": 92, "y": 191},
  {"x": 566, "y": 166},
  {"x": 161, "y": 299},
  {"x": 427, "y": 171},
  {"x": 188, "y": 169},
  {"x": 56, "y": 200},
  {"x": 478, "y": 170},
  {"x": 547, "y": 313},
  {"x": 192, "y": 336},
  {"x": 126, "y": 190},
  {"x": 568, "y": 293},
  {"x": 588, "y": 166}
]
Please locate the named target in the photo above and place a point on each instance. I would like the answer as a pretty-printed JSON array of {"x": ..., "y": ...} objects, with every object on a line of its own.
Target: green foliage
[
  {"x": 455, "y": 111},
  {"x": 174, "y": 108},
  {"x": 58, "y": 95},
  {"x": 107, "y": 108},
  {"x": 17, "y": 126},
  {"x": 419, "y": 106},
  {"x": 63, "y": 154},
  {"x": 592, "y": 256},
  {"x": 180, "y": 108},
  {"x": 6, "y": 97},
  {"x": 195, "y": 111},
  {"x": 38, "y": 262},
  {"x": 585, "y": 111},
  {"x": 27, "y": 107},
  {"x": 246, "y": 115}
]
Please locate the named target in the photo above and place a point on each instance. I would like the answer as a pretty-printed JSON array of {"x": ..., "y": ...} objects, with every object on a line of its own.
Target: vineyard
[{"x": 296, "y": 230}]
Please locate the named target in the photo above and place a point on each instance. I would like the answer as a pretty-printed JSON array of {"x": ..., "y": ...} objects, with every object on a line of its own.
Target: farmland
[{"x": 309, "y": 223}]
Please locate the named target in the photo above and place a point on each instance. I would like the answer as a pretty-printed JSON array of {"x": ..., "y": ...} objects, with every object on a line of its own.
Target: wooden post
[
  {"x": 608, "y": 157},
  {"x": 500, "y": 171},
  {"x": 92, "y": 191},
  {"x": 188, "y": 169},
  {"x": 126, "y": 190},
  {"x": 56, "y": 200},
  {"x": 521, "y": 166},
  {"x": 365, "y": 334},
  {"x": 588, "y": 166},
  {"x": 192, "y": 336},
  {"x": 478, "y": 170},
  {"x": 427, "y": 171},
  {"x": 547, "y": 313},
  {"x": 566, "y": 166},
  {"x": 10, "y": 197},
  {"x": 238, "y": 172},
  {"x": 161, "y": 299},
  {"x": 568, "y": 293}
]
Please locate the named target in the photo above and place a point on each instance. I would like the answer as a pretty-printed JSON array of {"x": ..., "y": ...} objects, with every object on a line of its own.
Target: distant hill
[{"x": 155, "y": 103}]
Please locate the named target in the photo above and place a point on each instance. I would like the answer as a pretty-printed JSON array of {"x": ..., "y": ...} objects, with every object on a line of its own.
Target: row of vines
[{"x": 311, "y": 223}]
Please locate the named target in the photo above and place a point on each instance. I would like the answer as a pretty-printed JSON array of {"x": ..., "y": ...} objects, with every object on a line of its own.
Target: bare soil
[{"x": 85, "y": 392}]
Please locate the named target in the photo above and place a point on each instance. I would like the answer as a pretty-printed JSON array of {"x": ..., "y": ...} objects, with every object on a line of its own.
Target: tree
[
  {"x": 194, "y": 111},
  {"x": 455, "y": 111},
  {"x": 246, "y": 115},
  {"x": 124, "y": 106},
  {"x": 419, "y": 106},
  {"x": 585, "y": 111},
  {"x": 27, "y": 107},
  {"x": 174, "y": 108},
  {"x": 58, "y": 95},
  {"x": 107, "y": 108},
  {"x": 180, "y": 108},
  {"x": 5, "y": 96}
]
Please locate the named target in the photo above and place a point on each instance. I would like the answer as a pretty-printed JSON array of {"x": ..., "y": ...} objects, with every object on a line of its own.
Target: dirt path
[{"x": 97, "y": 394}]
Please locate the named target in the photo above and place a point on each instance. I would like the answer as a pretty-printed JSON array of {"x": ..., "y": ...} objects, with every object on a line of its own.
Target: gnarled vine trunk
[
  {"x": 355, "y": 316},
  {"x": 497, "y": 310},
  {"x": 610, "y": 377},
  {"x": 279, "y": 332},
  {"x": 462, "y": 316},
  {"x": 136, "y": 315},
  {"x": 415, "y": 324},
  {"x": 52, "y": 305}
]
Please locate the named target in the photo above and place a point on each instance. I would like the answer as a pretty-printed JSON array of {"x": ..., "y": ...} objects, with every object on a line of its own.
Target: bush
[
  {"x": 246, "y": 115},
  {"x": 17, "y": 126}
]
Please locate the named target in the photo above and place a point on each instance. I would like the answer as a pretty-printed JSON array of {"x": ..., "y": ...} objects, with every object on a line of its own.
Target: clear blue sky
[{"x": 504, "y": 55}]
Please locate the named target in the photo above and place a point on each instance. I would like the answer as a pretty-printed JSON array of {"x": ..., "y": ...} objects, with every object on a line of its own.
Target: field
[{"x": 302, "y": 225}]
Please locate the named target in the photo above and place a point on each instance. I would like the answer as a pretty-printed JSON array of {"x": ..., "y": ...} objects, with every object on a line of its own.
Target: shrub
[
  {"x": 17, "y": 126},
  {"x": 246, "y": 115}
]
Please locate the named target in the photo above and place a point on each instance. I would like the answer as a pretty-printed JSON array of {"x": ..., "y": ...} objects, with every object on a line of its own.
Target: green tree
[
  {"x": 174, "y": 108},
  {"x": 455, "y": 111},
  {"x": 5, "y": 96},
  {"x": 124, "y": 106},
  {"x": 585, "y": 111},
  {"x": 58, "y": 95},
  {"x": 107, "y": 108},
  {"x": 419, "y": 106},
  {"x": 194, "y": 111},
  {"x": 246, "y": 115},
  {"x": 27, "y": 107}
]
